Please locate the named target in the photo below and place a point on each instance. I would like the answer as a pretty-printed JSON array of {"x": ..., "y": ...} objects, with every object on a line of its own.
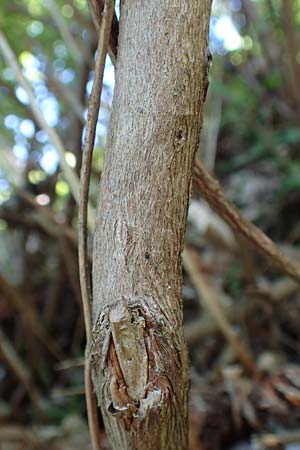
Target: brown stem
[
  {"x": 85, "y": 282},
  {"x": 161, "y": 82},
  {"x": 97, "y": 7},
  {"x": 210, "y": 189}
]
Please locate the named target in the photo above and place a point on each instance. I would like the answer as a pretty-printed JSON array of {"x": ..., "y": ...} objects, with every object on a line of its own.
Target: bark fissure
[{"x": 138, "y": 354}]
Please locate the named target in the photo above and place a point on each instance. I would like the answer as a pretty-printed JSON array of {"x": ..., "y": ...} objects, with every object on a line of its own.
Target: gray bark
[{"x": 138, "y": 354}]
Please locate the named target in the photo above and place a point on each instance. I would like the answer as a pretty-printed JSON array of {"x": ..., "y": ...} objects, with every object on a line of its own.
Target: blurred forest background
[{"x": 250, "y": 140}]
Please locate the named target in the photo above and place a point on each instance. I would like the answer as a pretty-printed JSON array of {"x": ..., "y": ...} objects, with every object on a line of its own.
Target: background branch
[{"x": 211, "y": 191}]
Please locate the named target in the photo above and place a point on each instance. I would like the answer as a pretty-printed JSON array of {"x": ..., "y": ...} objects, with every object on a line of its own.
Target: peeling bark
[{"x": 138, "y": 354}]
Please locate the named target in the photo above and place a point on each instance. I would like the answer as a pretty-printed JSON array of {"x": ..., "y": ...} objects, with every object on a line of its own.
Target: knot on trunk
[{"x": 129, "y": 362}]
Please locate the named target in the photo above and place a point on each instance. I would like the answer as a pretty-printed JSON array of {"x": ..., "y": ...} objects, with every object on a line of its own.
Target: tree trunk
[{"x": 138, "y": 355}]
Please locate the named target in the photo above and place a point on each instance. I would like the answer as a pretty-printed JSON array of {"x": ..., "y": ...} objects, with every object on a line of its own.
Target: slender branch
[
  {"x": 210, "y": 189},
  {"x": 85, "y": 281},
  {"x": 89, "y": 139},
  {"x": 209, "y": 298},
  {"x": 96, "y": 7}
]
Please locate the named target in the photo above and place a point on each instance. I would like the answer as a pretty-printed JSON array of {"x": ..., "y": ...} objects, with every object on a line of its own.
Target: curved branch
[{"x": 210, "y": 189}]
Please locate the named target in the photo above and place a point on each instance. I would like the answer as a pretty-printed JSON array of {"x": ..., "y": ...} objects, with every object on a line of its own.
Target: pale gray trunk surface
[{"x": 139, "y": 358}]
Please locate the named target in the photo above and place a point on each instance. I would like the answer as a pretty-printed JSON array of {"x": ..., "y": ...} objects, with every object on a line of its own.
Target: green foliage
[
  {"x": 233, "y": 280},
  {"x": 291, "y": 181}
]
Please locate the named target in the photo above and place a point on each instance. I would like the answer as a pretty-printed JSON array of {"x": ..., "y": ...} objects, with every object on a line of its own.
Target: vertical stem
[
  {"x": 138, "y": 354},
  {"x": 85, "y": 283}
]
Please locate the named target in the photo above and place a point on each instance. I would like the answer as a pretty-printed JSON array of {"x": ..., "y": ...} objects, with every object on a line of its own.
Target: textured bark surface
[{"x": 138, "y": 354}]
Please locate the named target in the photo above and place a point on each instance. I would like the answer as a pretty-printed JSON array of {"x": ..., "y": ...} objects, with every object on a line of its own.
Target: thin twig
[
  {"x": 85, "y": 282},
  {"x": 96, "y": 7},
  {"x": 89, "y": 139},
  {"x": 210, "y": 189},
  {"x": 209, "y": 298}
]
